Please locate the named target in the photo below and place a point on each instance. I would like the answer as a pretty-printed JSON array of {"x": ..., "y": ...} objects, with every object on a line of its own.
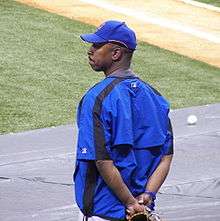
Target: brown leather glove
[{"x": 147, "y": 215}]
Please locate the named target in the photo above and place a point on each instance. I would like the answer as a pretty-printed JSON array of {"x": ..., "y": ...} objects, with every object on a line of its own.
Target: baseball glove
[
  {"x": 142, "y": 216},
  {"x": 147, "y": 215}
]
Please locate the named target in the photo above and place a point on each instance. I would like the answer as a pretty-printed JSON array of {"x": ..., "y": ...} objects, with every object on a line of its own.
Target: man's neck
[
  {"x": 116, "y": 69},
  {"x": 122, "y": 73}
]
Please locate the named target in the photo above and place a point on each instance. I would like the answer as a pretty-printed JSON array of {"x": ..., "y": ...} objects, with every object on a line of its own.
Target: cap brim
[{"x": 92, "y": 38}]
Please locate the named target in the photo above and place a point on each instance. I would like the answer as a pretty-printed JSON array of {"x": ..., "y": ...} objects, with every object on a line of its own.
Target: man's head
[{"x": 112, "y": 47}]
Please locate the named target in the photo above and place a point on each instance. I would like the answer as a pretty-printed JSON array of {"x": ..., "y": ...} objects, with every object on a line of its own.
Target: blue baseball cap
[{"x": 112, "y": 31}]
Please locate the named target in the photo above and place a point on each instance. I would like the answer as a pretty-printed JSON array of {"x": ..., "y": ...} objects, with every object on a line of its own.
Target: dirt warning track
[{"x": 171, "y": 24}]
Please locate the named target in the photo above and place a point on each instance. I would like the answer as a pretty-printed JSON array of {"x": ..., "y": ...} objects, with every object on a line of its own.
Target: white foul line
[
  {"x": 202, "y": 5},
  {"x": 148, "y": 18}
]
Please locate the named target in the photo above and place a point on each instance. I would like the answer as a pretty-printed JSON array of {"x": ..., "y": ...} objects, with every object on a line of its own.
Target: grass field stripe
[
  {"x": 148, "y": 18},
  {"x": 202, "y": 5}
]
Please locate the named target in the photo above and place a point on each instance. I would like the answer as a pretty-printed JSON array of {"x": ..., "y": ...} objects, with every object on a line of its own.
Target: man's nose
[{"x": 91, "y": 50}]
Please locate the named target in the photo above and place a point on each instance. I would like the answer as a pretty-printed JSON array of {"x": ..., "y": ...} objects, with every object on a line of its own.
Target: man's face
[{"x": 100, "y": 56}]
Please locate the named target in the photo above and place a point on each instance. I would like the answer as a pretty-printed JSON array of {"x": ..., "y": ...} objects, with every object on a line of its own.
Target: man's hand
[
  {"x": 133, "y": 208},
  {"x": 144, "y": 199}
]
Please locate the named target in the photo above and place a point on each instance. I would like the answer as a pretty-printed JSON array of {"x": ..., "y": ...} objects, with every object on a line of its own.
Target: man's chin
[{"x": 98, "y": 69}]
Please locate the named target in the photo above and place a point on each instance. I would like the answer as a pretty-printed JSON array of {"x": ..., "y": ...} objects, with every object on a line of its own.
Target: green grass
[
  {"x": 44, "y": 70},
  {"x": 211, "y": 2}
]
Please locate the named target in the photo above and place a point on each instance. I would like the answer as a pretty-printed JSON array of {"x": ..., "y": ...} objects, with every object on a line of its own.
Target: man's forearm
[
  {"x": 113, "y": 179},
  {"x": 160, "y": 174}
]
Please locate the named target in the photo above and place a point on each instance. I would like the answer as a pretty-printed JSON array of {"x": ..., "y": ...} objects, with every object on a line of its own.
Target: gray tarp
[{"x": 36, "y": 172}]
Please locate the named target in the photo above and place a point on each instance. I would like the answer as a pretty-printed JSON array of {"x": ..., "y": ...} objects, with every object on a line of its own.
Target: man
[{"x": 125, "y": 145}]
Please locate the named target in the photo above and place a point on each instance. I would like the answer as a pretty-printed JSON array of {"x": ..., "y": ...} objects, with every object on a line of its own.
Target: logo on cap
[{"x": 103, "y": 24}]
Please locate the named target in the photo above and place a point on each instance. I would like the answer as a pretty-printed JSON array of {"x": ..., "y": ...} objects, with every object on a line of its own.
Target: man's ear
[{"x": 117, "y": 54}]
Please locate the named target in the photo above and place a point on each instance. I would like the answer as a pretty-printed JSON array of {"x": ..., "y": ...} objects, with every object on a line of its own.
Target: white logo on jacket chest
[
  {"x": 133, "y": 85},
  {"x": 84, "y": 150}
]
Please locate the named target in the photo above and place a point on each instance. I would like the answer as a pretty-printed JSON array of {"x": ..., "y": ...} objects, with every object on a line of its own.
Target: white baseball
[{"x": 191, "y": 120}]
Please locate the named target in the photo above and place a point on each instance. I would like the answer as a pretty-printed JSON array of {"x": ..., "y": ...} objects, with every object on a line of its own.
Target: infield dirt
[{"x": 171, "y": 24}]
